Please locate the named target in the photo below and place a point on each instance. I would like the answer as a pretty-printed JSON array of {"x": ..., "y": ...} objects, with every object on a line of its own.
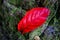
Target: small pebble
[{"x": 36, "y": 38}]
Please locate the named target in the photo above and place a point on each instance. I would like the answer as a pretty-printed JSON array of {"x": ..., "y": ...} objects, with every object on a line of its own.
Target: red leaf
[{"x": 33, "y": 19}]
